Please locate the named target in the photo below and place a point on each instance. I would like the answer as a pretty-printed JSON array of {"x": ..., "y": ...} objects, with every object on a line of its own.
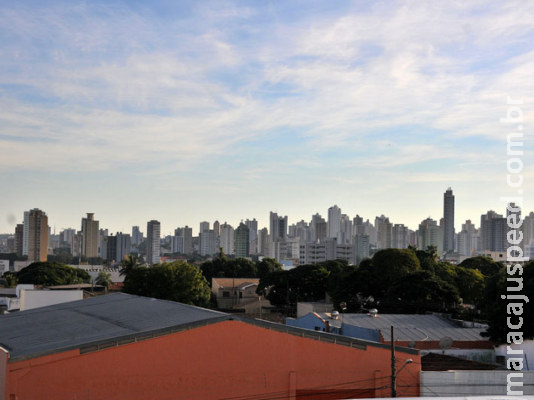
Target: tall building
[
  {"x": 277, "y": 227},
  {"x": 118, "y": 247},
  {"x": 137, "y": 236},
  {"x": 448, "y": 225},
  {"x": 19, "y": 239},
  {"x": 242, "y": 241},
  {"x": 384, "y": 230},
  {"x": 361, "y": 248},
  {"x": 345, "y": 231},
  {"x": 263, "y": 242},
  {"x": 400, "y": 237},
  {"x": 37, "y": 235},
  {"x": 208, "y": 243},
  {"x": 26, "y": 233},
  {"x": 493, "y": 229},
  {"x": 334, "y": 222},
  {"x": 217, "y": 228},
  {"x": 430, "y": 234},
  {"x": 468, "y": 240},
  {"x": 227, "y": 238},
  {"x": 318, "y": 228},
  {"x": 253, "y": 235},
  {"x": 90, "y": 236},
  {"x": 153, "y": 231}
]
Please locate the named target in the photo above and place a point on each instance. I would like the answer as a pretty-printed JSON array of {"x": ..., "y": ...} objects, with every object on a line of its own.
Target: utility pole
[{"x": 393, "y": 368}]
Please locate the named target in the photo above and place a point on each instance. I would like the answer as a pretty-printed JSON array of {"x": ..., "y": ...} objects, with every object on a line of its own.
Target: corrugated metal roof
[
  {"x": 412, "y": 327},
  {"x": 70, "y": 325}
]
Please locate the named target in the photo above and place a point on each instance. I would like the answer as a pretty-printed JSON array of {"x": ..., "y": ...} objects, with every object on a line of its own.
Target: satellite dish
[{"x": 445, "y": 342}]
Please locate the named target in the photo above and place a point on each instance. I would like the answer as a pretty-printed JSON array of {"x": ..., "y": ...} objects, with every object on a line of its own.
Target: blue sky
[{"x": 189, "y": 111}]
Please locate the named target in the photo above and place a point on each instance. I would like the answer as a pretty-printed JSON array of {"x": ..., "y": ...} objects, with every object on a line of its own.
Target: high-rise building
[
  {"x": 263, "y": 242},
  {"x": 90, "y": 236},
  {"x": 345, "y": 231},
  {"x": 384, "y": 230},
  {"x": 227, "y": 238},
  {"x": 334, "y": 222},
  {"x": 448, "y": 223},
  {"x": 242, "y": 241},
  {"x": 19, "y": 239},
  {"x": 37, "y": 235},
  {"x": 153, "y": 231},
  {"x": 217, "y": 228},
  {"x": 102, "y": 244},
  {"x": 361, "y": 248},
  {"x": 137, "y": 236},
  {"x": 400, "y": 237},
  {"x": 26, "y": 233},
  {"x": 468, "y": 240},
  {"x": 430, "y": 234},
  {"x": 253, "y": 235},
  {"x": 493, "y": 229},
  {"x": 277, "y": 227},
  {"x": 318, "y": 228},
  {"x": 118, "y": 247},
  {"x": 208, "y": 243}
]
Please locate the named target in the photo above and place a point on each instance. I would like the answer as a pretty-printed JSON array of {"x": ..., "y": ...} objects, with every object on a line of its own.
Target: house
[
  {"x": 120, "y": 346},
  {"x": 426, "y": 332},
  {"x": 26, "y": 297},
  {"x": 238, "y": 293}
]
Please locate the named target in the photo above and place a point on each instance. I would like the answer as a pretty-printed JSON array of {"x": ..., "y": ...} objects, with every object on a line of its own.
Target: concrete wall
[
  {"x": 41, "y": 298},
  {"x": 471, "y": 383},
  {"x": 230, "y": 359}
]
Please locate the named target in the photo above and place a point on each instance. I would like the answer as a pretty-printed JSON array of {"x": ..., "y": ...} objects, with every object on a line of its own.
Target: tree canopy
[
  {"x": 52, "y": 274},
  {"x": 176, "y": 281}
]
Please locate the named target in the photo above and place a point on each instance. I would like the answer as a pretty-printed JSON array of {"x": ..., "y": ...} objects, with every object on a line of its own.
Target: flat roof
[
  {"x": 410, "y": 327},
  {"x": 119, "y": 318}
]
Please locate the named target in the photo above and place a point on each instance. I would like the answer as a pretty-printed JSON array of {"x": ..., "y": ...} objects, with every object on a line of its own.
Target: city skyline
[{"x": 226, "y": 111}]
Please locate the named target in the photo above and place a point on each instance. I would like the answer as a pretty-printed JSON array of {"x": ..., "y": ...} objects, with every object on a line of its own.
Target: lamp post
[{"x": 394, "y": 371}]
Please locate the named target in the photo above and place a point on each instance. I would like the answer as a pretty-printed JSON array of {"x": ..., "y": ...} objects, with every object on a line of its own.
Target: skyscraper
[
  {"x": 90, "y": 236},
  {"x": 334, "y": 221},
  {"x": 242, "y": 234},
  {"x": 277, "y": 227},
  {"x": 448, "y": 217},
  {"x": 153, "y": 230},
  {"x": 253, "y": 235},
  {"x": 227, "y": 238},
  {"x": 19, "y": 238},
  {"x": 37, "y": 235}
]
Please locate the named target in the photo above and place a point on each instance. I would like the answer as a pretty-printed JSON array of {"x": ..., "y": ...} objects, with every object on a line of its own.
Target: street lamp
[{"x": 394, "y": 371}]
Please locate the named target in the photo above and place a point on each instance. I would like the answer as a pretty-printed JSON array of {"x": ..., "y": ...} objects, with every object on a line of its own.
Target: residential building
[
  {"x": 208, "y": 243},
  {"x": 361, "y": 249},
  {"x": 19, "y": 239},
  {"x": 319, "y": 228},
  {"x": 90, "y": 236},
  {"x": 493, "y": 229},
  {"x": 400, "y": 236},
  {"x": 242, "y": 241},
  {"x": 430, "y": 234},
  {"x": 263, "y": 242},
  {"x": 468, "y": 240},
  {"x": 37, "y": 235},
  {"x": 227, "y": 238},
  {"x": 384, "y": 230},
  {"x": 153, "y": 231},
  {"x": 253, "y": 235},
  {"x": 26, "y": 233},
  {"x": 277, "y": 227},
  {"x": 137, "y": 236},
  {"x": 448, "y": 217},
  {"x": 334, "y": 222}
]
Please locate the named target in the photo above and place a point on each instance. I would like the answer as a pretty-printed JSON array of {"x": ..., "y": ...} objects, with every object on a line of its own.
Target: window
[{"x": 226, "y": 294}]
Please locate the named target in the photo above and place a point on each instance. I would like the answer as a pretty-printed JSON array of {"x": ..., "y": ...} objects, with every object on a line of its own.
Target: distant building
[
  {"x": 153, "y": 231},
  {"x": 19, "y": 239},
  {"x": 468, "y": 240},
  {"x": 227, "y": 238},
  {"x": 430, "y": 234},
  {"x": 242, "y": 242},
  {"x": 208, "y": 243},
  {"x": 137, "y": 236},
  {"x": 334, "y": 222},
  {"x": 186, "y": 233},
  {"x": 253, "y": 235},
  {"x": 448, "y": 217},
  {"x": 493, "y": 229},
  {"x": 90, "y": 236},
  {"x": 384, "y": 230},
  {"x": 37, "y": 235},
  {"x": 277, "y": 227},
  {"x": 118, "y": 247}
]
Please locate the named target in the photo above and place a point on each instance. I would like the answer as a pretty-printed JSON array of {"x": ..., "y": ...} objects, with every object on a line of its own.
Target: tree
[
  {"x": 130, "y": 262},
  {"x": 419, "y": 292},
  {"x": 176, "y": 281},
  {"x": 224, "y": 267},
  {"x": 389, "y": 265},
  {"x": 484, "y": 264},
  {"x": 52, "y": 274},
  {"x": 266, "y": 266},
  {"x": 10, "y": 279},
  {"x": 104, "y": 279},
  {"x": 496, "y": 306}
]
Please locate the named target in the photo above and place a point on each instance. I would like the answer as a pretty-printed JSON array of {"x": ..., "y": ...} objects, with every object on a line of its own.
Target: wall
[
  {"x": 41, "y": 298},
  {"x": 224, "y": 360},
  {"x": 470, "y": 383},
  {"x": 3, "y": 369}
]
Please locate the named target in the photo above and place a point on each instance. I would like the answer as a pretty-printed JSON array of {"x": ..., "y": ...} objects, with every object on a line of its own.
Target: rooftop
[
  {"x": 409, "y": 327},
  {"x": 119, "y": 318}
]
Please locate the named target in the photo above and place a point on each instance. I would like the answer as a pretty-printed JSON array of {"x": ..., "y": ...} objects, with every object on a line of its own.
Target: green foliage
[
  {"x": 10, "y": 279},
  {"x": 496, "y": 306},
  {"x": 419, "y": 292},
  {"x": 484, "y": 264},
  {"x": 224, "y": 267},
  {"x": 267, "y": 266},
  {"x": 470, "y": 283},
  {"x": 176, "y": 281},
  {"x": 52, "y": 274},
  {"x": 130, "y": 262},
  {"x": 104, "y": 279}
]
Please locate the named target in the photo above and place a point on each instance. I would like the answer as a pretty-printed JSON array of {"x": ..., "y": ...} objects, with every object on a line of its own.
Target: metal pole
[{"x": 393, "y": 368}]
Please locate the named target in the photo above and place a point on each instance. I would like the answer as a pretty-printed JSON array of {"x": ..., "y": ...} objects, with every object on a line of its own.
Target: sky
[{"x": 226, "y": 110}]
